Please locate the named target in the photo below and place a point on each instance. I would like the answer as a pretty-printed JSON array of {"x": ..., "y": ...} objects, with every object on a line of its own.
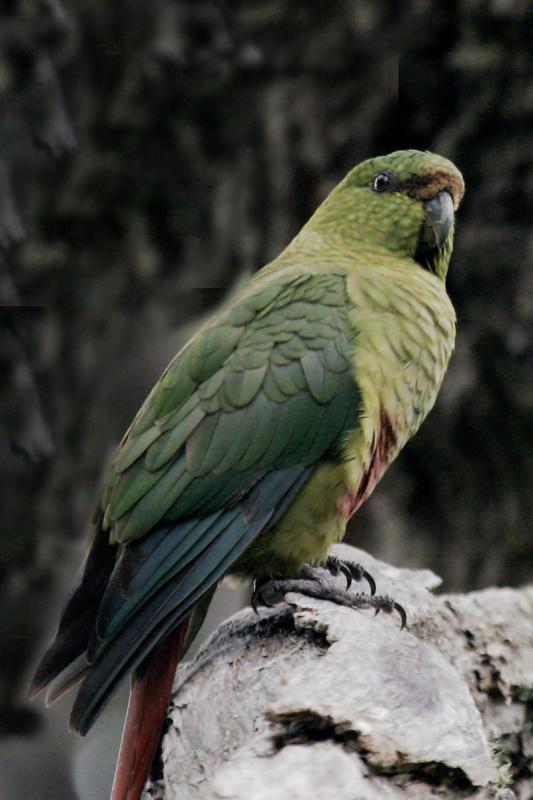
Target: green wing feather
[
  {"x": 218, "y": 452},
  {"x": 267, "y": 385}
]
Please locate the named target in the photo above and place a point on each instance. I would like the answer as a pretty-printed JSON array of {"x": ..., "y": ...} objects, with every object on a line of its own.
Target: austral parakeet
[{"x": 261, "y": 439}]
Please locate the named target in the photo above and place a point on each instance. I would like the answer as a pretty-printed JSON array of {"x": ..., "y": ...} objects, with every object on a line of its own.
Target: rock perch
[{"x": 312, "y": 699}]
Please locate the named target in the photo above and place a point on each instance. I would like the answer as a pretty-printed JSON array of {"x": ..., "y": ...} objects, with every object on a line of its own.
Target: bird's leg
[
  {"x": 350, "y": 570},
  {"x": 271, "y": 591}
]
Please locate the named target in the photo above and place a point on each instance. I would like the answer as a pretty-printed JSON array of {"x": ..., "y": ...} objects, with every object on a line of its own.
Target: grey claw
[
  {"x": 388, "y": 605},
  {"x": 371, "y": 582},
  {"x": 347, "y": 574},
  {"x": 403, "y": 616},
  {"x": 350, "y": 571}
]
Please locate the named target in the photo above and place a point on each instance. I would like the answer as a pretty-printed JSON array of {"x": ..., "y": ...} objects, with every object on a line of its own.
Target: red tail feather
[{"x": 147, "y": 707}]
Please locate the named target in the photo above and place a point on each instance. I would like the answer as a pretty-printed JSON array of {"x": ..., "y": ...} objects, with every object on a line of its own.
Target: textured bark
[{"x": 317, "y": 700}]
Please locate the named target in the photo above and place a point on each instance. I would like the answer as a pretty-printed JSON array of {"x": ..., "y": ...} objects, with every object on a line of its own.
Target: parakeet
[{"x": 262, "y": 438}]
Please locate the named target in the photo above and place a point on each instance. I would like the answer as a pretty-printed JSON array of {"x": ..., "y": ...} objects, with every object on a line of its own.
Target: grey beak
[{"x": 439, "y": 219}]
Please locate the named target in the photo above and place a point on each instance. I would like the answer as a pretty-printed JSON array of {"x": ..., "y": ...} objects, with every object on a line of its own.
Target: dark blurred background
[{"x": 154, "y": 154}]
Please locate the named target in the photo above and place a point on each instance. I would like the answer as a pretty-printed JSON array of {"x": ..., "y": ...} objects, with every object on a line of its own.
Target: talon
[
  {"x": 388, "y": 605},
  {"x": 350, "y": 571},
  {"x": 271, "y": 591},
  {"x": 347, "y": 574},
  {"x": 403, "y": 616},
  {"x": 371, "y": 582}
]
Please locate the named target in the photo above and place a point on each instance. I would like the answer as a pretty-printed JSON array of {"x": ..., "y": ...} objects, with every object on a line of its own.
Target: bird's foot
[
  {"x": 350, "y": 570},
  {"x": 271, "y": 591}
]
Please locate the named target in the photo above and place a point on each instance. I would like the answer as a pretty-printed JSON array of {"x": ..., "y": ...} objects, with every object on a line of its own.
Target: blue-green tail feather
[{"x": 176, "y": 573}]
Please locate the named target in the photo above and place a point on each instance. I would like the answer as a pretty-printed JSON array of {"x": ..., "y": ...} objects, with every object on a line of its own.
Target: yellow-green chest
[{"x": 404, "y": 326}]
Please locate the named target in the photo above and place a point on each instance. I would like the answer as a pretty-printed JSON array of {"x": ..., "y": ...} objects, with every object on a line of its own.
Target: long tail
[{"x": 147, "y": 707}]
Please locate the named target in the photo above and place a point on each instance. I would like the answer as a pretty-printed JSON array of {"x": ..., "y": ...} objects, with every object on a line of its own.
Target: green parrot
[{"x": 261, "y": 439}]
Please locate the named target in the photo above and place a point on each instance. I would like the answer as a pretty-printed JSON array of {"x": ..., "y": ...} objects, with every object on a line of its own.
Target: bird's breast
[{"x": 404, "y": 330}]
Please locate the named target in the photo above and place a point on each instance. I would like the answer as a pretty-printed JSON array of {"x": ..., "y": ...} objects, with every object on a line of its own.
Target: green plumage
[
  {"x": 273, "y": 424},
  {"x": 236, "y": 414}
]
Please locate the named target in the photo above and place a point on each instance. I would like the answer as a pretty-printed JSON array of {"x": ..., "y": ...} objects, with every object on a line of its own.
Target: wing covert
[{"x": 266, "y": 387}]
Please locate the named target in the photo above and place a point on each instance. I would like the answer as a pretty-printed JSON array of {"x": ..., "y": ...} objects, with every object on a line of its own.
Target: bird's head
[{"x": 403, "y": 202}]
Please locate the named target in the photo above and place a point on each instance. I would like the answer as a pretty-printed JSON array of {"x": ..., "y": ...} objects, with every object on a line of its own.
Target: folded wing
[{"x": 218, "y": 452}]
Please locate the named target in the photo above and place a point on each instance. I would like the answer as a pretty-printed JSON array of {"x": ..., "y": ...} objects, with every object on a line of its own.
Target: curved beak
[{"x": 439, "y": 219}]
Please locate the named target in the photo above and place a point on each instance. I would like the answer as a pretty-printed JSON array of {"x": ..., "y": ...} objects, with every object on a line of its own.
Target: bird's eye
[{"x": 382, "y": 182}]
